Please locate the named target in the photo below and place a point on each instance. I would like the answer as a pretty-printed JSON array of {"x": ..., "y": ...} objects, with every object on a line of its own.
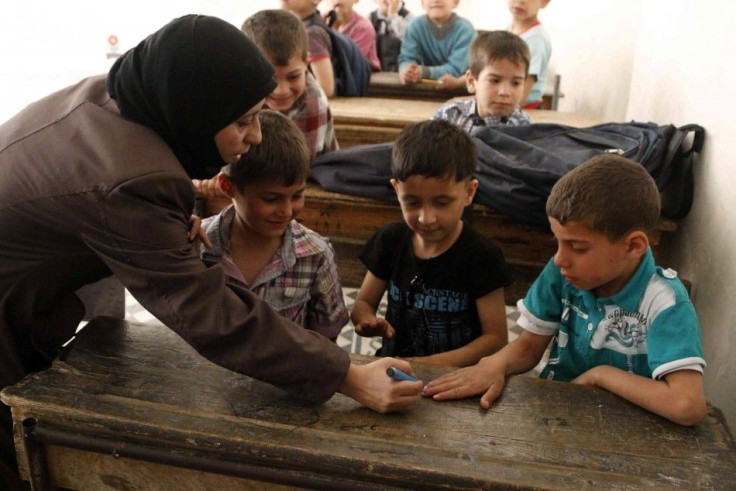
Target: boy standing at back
[
  {"x": 390, "y": 21},
  {"x": 524, "y": 23},
  {"x": 436, "y": 46},
  {"x": 320, "y": 45},
  {"x": 445, "y": 281},
  {"x": 258, "y": 241},
  {"x": 349, "y": 22},
  {"x": 618, "y": 322},
  {"x": 498, "y": 68},
  {"x": 282, "y": 38}
]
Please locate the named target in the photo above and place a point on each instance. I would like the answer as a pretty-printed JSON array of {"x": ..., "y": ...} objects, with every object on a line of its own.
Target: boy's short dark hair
[
  {"x": 612, "y": 195},
  {"x": 281, "y": 157},
  {"x": 434, "y": 148},
  {"x": 491, "y": 46},
  {"x": 278, "y": 33}
]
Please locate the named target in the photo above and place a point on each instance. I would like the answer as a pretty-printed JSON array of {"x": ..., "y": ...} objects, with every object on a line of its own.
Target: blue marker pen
[{"x": 400, "y": 376}]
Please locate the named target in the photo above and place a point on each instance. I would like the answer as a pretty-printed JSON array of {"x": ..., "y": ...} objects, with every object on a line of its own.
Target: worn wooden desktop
[
  {"x": 388, "y": 85},
  {"x": 131, "y": 406},
  {"x": 366, "y": 120}
]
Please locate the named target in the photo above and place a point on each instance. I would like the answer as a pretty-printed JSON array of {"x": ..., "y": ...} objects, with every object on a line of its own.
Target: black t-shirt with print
[{"x": 431, "y": 302}]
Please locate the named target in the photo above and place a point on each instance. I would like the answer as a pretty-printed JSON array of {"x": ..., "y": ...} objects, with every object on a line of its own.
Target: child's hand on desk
[
  {"x": 369, "y": 385},
  {"x": 487, "y": 377},
  {"x": 448, "y": 82},
  {"x": 377, "y": 326},
  {"x": 410, "y": 74}
]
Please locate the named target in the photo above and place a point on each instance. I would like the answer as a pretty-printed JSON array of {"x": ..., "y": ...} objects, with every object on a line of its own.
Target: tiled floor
[{"x": 347, "y": 339}]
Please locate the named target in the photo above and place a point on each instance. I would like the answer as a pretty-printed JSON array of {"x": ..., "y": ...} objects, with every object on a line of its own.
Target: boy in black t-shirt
[{"x": 445, "y": 281}]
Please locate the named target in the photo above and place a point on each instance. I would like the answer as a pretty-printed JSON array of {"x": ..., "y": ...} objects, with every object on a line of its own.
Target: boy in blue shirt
[
  {"x": 498, "y": 68},
  {"x": 436, "y": 46},
  {"x": 524, "y": 23},
  {"x": 618, "y": 322},
  {"x": 445, "y": 281}
]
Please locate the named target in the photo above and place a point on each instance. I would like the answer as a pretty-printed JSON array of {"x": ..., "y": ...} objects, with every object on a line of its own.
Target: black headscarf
[{"x": 189, "y": 80}]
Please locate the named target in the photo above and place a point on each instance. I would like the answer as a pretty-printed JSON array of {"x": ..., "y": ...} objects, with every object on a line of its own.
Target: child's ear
[
  {"x": 637, "y": 243},
  {"x": 470, "y": 82},
  {"x": 470, "y": 191},
  {"x": 395, "y": 185},
  {"x": 225, "y": 184}
]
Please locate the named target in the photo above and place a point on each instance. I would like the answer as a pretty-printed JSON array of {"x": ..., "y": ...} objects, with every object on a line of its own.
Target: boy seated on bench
[
  {"x": 618, "y": 322},
  {"x": 445, "y": 281},
  {"x": 499, "y": 62}
]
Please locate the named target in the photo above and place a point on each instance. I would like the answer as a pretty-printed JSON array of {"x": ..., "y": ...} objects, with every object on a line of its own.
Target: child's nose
[
  {"x": 561, "y": 259},
  {"x": 426, "y": 215},
  {"x": 282, "y": 87}
]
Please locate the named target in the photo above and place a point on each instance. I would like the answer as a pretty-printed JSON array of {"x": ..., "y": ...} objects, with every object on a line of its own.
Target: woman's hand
[{"x": 196, "y": 232}]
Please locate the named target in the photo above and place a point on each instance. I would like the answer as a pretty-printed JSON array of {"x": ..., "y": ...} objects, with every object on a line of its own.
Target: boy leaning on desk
[
  {"x": 618, "y": 321},
  {"x": 436, "y": 46}
]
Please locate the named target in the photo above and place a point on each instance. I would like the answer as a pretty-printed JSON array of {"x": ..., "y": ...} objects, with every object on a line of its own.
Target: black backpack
[
  {"x": 388, "y": 45},
  {"x": 518, "y": 165},
  {"x": 351, "y": 70}
]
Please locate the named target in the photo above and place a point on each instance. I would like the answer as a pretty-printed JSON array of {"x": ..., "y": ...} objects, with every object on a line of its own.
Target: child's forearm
[
  {"x": 523, "y": 353},
  {"x": 467, "y": 355},
  {"x": 679, "y": 397},
  {"x": 362, "y": 311}
]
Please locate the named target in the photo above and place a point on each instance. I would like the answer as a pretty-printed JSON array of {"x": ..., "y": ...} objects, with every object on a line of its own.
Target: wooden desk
[
  {"x": 134, "y": 407},
  {"x": 367, "y": 120},
  {"x": 388, "y": 85}
]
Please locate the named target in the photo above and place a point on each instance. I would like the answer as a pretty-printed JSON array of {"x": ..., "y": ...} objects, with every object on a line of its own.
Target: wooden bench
[
  {"x": 348, "y": 221},
  {"x": 388, "y": 85},
  {"x": 132, "y": 406},
  {"x": 368, "y": 120}
]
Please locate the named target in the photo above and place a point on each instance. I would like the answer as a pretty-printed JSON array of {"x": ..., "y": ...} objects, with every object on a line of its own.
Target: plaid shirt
[
  {"x": 301, "y": 281},
  {"x": 311, "y": 113},
  {"x": 463, "y": 113}
]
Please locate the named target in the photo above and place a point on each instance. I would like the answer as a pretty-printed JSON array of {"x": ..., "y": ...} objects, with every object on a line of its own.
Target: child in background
[
  {"x": 320, "y": 44},
  {"x": 619, "y": 322},
  {"x": 283, "y": 39},
  {"x": 445, "y": 281},
  {"x": 260, "y": 244},
  {"x": 349, "y": 22},
  {"x": 436, "y": 46},
  {"x": 390, "y": 21},
  {"x": 524, "y": 22},
  {"x": 498, "y": 67}
]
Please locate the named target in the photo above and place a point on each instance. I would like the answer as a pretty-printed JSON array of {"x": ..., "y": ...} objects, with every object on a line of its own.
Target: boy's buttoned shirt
[{"x": 464, "y": 114}]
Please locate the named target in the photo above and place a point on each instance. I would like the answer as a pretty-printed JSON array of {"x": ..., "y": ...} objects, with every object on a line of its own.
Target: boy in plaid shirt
[
  {"x": 282, "y": 37},
  {"x": 260, "y": 244},
  {"x": 499, "y": 62}
]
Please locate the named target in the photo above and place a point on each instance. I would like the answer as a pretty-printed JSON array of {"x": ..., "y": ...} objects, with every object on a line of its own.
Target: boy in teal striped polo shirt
[{"x": 618, "y": 321}]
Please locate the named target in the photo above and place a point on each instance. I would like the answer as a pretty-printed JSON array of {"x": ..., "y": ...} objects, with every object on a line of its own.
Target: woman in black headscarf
[{"x": 96, "y": 180}]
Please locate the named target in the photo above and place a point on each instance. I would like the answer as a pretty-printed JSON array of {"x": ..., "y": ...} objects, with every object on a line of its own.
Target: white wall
[
  {"x": 668, "y": 62},
  {"x": 684, "y": 72}
]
